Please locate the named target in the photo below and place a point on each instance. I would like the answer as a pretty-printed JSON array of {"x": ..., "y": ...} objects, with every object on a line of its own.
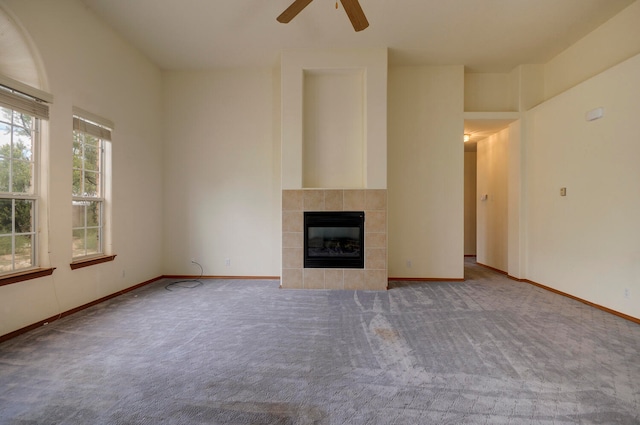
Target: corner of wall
[{"x": 613, "y": 42}]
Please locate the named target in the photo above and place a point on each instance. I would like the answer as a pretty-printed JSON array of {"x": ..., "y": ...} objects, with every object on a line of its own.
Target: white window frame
[
  {"x": 19, "y": 102},
  {"x": 89, "y": 124}
]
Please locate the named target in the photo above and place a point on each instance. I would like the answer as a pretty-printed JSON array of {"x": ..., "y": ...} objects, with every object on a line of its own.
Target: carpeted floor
[{"x": 485, "y": 351}]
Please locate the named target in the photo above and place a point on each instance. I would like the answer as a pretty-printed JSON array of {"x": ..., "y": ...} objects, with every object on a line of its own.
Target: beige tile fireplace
[{"x": 372, "y": 201}]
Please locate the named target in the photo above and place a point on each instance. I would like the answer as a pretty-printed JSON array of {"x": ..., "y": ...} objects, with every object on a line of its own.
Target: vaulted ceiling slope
[{"x": 483, "y": 35}]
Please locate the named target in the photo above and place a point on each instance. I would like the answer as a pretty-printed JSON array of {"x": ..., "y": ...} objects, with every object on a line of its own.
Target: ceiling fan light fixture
[
  {"x": 356, "y": 14},
  {"x": 292, "y": 11},
  {"x": 351, "y": 7}
]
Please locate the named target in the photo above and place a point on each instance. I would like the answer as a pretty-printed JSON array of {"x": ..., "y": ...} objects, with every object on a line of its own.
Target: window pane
[
  {"x": 77, "y": 141},
  {"x": 77, "y": 214},
  {"x": 93, "y": 214},
  {"x": 87, "y": 183},
  {"x": 78, "y": 243},
  {"x": 90, "y": 140},
  {"x": 24, "y": 216},
  {"x": 5, "y": 139},
  {"x": 24, "y": 252},
  {"x": 6, "y": 259},
  {"x": 77, "y": 156},
  {"x": 22, "y": 148},
  {"x": 91, "y": 184},
  {"x": 22, "y": 120},
  {"x": 22, "y": 180},
  {"x": 5, "y": 115},
  {"x": 91, "y": 158},
  {"x": 93, "y": 241},
  {"x": 77, "y": 183},
  {"x": 5, "y": 171},
  {"x": 17, "y": 176},
  {"x": 6, "y": 216}
]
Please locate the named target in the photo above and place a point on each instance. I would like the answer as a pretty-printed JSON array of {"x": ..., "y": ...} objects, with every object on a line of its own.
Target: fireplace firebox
[{"x": 334, "y": 239}]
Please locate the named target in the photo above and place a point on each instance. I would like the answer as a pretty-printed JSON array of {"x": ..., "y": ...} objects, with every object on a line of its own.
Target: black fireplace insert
[{"x": 334, "y": 239}]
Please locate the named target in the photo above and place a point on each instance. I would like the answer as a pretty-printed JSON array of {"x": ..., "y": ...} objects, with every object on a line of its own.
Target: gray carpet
[{"x": 485, "y": 351}]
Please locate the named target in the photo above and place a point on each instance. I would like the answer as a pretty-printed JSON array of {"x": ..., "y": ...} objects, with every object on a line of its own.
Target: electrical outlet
[
  {"x": 123, "y": 273},
  {"x": 626, "y": 292},
  {"x": 409, "y": 264},
  {"x": 227, "y": 262}
]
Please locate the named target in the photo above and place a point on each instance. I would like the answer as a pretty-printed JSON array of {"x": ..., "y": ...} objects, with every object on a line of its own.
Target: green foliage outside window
[
  {"x": 87, "y": 193},
  {"x": 16, "y": 178}
]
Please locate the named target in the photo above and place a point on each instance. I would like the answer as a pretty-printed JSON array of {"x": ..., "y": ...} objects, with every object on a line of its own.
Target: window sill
[
  {"x": 26, "y": 275},
  {"x": 91, "y": 261}
]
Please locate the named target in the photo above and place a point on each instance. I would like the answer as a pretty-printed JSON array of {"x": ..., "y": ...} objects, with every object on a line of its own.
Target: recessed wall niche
[
  {"x": 333, "y": 128},
  {"x": 369, "y": 68}
]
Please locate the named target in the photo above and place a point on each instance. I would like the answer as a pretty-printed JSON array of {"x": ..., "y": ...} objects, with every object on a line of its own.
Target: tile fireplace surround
[{"x": 372, "y": 201}]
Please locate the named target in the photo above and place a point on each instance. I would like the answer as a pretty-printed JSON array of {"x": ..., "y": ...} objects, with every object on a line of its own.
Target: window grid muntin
[
  {"x": 85, "y": 228},
  {"x": 19, "y": 127},
  {"x": 82, "y": 143},
  {"x": 31, "y": 131},
  {"x": 15, "y": 235}
]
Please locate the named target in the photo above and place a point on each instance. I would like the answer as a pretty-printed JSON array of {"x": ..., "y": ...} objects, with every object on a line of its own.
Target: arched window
[
  {"x": 23, "y": 112},
  {"x": 18, "y": 60}
]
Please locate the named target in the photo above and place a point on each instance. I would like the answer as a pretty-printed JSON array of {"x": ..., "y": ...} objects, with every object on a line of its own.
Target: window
[
  {"x": 90, "y": 141},
  {"x": 19, "y": 135}
]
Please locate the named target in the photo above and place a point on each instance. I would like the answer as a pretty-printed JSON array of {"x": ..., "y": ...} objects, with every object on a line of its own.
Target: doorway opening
[{"x": 486, "y": 170}]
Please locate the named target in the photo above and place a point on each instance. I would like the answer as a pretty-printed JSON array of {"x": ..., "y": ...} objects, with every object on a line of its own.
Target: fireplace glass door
[{"x": 334, "y": 239}]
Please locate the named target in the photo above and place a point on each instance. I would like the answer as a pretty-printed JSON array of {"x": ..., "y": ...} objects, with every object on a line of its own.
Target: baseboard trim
[
  {"x": 573, "y": 297},
  {"x": 425, "y": 279},
  {"x": 185, "y": 276},
  {"x": 493, "y": 268},
  {"x": 40, "y": 323},
  {"x": 564, "y": 294}
]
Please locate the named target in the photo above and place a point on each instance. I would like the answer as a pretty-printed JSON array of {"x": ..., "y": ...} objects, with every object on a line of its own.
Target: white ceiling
[{"x": 483, "y": 35}]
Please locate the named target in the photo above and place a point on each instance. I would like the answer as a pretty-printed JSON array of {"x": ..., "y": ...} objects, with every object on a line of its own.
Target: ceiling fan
[{"x": 352, "y": 7}]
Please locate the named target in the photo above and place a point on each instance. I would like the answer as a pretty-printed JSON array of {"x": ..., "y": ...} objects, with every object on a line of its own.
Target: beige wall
[
  {"x": 470, "y": 181},
  {"x": 333, "y": 145},
  {"x": 77, "y": 52},
  {"x": 222, "y": 188},
  {"x": 613, "y": 42},
  {"x": 487, "y": 92},
  {"x": 586, "y": 244},
  {"x": 515, "y": 91},
  {"x": 426, "y": 172},
  {"x": 515, "y": 200},
  {"x": 18, "y": 60},
  {"x": 526, "y": 83}
]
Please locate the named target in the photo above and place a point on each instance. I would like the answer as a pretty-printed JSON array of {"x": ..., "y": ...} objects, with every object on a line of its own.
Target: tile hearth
[{"x": 372, "y": 201}]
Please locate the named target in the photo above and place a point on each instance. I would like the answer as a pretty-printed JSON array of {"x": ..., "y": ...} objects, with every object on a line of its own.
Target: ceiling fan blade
[
  {"x": 293, "y": 10},
  {"x": 355, "y": 14}
]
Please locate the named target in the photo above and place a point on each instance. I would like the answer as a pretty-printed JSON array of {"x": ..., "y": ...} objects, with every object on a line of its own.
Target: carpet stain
[{"x": 386, "y": 334}]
